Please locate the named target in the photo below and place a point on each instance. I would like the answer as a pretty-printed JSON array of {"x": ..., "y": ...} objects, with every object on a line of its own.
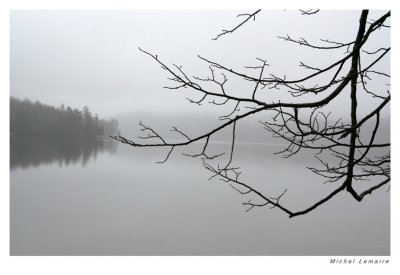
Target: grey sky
[{"x": 91, "y": 57}]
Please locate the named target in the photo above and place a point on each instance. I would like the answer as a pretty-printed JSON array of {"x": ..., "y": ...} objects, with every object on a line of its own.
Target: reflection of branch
[{"x": 248, "y": 17}]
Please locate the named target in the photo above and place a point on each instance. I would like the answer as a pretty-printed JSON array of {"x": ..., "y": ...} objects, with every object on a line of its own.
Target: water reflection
[
  {"x": 126, "y": 204},
  {"x": 33, "y": 152}
]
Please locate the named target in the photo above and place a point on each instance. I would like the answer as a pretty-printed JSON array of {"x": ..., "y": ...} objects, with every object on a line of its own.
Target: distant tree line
[{"x": 29, "y": 118}]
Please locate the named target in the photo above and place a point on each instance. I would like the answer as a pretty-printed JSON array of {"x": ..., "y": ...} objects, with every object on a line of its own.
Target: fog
[
  {"x": 91, "y": 58},
  {"x": 118, "y": 201},
  {"x": 75, "y": 191}
]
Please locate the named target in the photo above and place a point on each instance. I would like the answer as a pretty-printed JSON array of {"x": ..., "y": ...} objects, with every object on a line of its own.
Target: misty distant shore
[{"x": 34, "y": 119}]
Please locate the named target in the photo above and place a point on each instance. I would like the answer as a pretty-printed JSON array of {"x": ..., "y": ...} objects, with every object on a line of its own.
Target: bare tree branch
[
  {"x": 345, "y": 148},
  {"x": 309, "y": 12},
  {"x": 247, "y": 18}
]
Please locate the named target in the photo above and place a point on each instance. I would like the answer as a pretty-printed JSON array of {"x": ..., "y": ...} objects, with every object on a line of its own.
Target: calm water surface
[{"x": 103, "y": 198}]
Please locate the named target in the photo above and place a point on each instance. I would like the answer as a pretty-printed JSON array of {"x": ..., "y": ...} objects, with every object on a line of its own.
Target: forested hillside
[{"x": 35, "y": 119}]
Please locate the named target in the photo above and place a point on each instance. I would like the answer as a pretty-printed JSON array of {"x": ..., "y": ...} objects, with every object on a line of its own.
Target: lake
[{"x": 105, "y": 198}]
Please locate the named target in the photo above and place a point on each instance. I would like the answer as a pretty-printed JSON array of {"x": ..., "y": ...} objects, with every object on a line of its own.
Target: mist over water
[
  {"x": 115, "y": 200},
  {"x": 78, "y": 77}
]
